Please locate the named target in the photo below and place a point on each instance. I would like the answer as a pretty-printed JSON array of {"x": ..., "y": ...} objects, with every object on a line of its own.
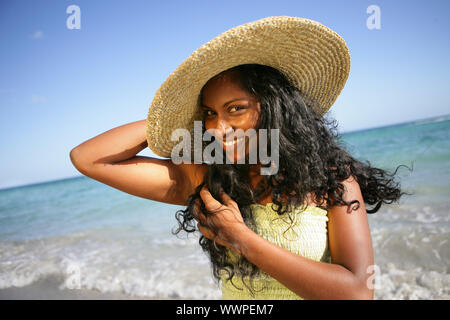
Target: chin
[
  {"x": 242, "y": 156},
  {"x": 237, "y": 157}
]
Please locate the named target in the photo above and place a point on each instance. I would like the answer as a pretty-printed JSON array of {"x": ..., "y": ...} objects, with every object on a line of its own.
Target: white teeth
[{"x": 229, "y": 143}]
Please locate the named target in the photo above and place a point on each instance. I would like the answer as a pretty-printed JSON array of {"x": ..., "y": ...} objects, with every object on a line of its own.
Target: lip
[{"x": 230, "y": 144}]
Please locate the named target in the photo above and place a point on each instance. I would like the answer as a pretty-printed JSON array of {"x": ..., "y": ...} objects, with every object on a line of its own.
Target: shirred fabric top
[{"x": 301, "y": 232}]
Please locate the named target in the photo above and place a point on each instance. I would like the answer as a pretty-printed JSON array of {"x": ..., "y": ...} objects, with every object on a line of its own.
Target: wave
[
  {"x": 411, "y": 263},
  {"x": 86, "y": 263},
  {"x": 394, "y": 283}
]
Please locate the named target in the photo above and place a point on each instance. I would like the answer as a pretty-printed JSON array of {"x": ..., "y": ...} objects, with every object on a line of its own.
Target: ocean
[{"x": 80, "y": 239}]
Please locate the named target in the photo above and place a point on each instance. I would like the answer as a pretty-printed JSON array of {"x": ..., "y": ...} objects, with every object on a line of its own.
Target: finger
[
  {"x": 206, "y": 232},
  {"x": 227, "y": 199},
  {"x": 211, "y": 203},
  {"x": 200, "y": 216}
]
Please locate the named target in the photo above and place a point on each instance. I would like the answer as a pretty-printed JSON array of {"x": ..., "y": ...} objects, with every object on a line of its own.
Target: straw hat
[{"x": 312, "y": 56}]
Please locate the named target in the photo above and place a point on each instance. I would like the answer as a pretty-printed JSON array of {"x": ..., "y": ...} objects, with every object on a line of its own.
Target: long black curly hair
[{"x": 312, "y": 161}]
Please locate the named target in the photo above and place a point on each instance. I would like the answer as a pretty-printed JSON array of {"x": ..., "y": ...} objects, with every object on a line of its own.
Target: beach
[
  {"x": 79, "y": 239},
  {"x": 48, "y": 289}
]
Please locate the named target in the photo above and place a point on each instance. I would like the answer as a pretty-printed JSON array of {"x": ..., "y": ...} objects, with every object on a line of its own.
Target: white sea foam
[
  {"x": 410, "y": 248},
  {"x": 178, "y": 269},
  {"x": 85, "y": 263},
  {"x": 394, "y": 283}
]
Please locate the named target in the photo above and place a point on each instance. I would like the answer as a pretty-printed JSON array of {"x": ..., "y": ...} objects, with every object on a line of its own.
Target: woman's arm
[
  {"x": 111, "y": 159},
  {"x": 350, "y": 246}
]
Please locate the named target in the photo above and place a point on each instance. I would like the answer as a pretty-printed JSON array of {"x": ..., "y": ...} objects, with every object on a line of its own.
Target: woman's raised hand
[{"x": 224, "y": 224}]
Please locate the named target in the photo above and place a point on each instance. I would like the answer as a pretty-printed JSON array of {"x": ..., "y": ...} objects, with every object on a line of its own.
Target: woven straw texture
[{"x": 312, "y": 56}]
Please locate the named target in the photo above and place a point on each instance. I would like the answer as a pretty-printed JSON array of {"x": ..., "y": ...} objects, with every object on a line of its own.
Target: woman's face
[{"x": 226, "y": 108}]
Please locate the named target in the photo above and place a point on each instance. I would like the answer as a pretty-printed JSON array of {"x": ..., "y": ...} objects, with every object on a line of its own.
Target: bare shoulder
[{"x": 352, "y": 192}]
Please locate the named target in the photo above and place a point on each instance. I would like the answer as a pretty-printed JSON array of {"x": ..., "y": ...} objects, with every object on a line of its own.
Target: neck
[{"x": 255, "y": 170}]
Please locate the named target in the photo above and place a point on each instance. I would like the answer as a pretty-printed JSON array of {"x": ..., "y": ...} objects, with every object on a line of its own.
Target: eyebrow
[{"x": 204, "y": 106}]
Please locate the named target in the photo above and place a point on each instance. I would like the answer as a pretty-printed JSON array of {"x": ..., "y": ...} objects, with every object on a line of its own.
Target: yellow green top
[{"x": 301, "y": 232}]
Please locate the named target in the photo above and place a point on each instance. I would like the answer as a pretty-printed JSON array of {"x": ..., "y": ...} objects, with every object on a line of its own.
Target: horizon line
[{"x": 417, "y": 121}]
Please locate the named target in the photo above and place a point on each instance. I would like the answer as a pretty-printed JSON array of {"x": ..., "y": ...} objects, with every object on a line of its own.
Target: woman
[{"x": 301, "y": 232}]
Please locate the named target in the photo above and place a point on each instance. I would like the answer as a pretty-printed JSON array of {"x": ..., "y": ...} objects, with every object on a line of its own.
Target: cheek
[
  {"x": 210, "y": 128},
  {"x": 254, "y": 119},
  {"x": 208, "y": 125},
  {"x": 249, "y": 121}
]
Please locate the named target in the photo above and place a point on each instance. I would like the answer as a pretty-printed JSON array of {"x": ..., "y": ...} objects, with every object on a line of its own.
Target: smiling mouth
[{"x": 233, "y": 142}]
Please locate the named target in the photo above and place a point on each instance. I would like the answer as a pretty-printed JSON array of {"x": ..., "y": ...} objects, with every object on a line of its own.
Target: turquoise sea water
[{"x": 95, "y": 237}]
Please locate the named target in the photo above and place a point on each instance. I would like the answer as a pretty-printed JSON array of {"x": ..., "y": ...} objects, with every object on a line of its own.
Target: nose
[{"x": 221, "y": 130}]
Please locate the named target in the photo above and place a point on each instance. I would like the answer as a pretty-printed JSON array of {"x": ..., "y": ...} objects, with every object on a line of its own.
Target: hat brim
[{"x": 312, "y": 56}]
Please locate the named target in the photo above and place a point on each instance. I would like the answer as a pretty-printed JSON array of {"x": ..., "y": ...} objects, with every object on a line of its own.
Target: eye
[
  {"x": 236, "y": 108},
  {"x": 208, "y": 113}
]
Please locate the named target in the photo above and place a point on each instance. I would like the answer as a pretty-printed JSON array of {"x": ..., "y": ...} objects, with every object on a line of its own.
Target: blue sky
[{"x": 60, "y": 87}]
